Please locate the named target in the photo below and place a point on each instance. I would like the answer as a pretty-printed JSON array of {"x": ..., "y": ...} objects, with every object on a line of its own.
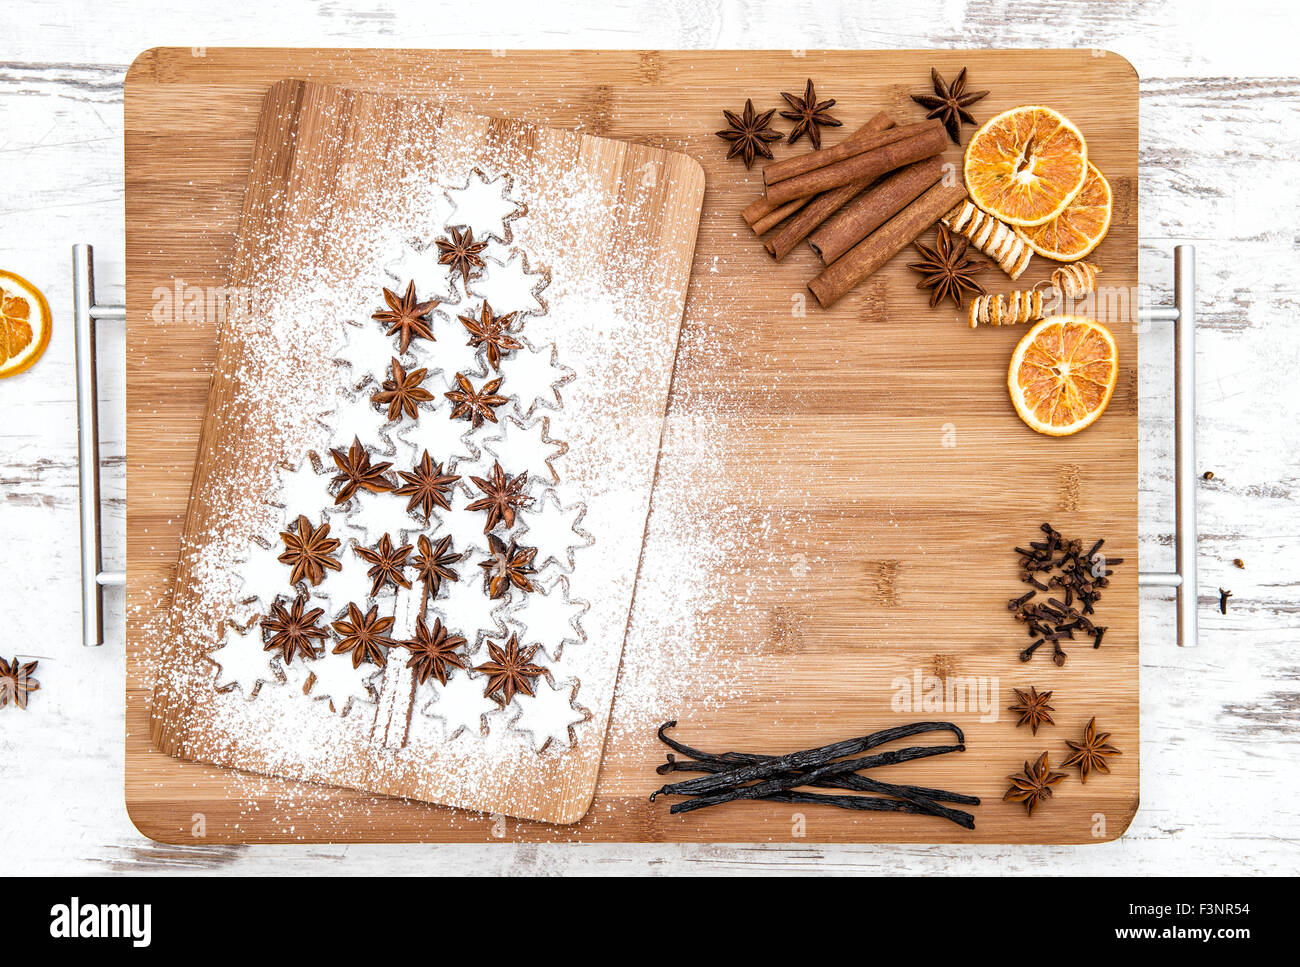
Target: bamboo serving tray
[{"x": 924, "y": 477}]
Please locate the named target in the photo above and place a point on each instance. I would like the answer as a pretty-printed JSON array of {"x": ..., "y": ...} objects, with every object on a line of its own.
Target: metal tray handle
[
  {"x": 1183, "y": 316},
  {"x": 85, "y": 314}
]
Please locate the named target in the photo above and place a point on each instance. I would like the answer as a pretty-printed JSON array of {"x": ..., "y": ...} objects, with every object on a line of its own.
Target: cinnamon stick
[
  {"x": 876, "y": 132},
  {"x": 821, "y": 208},
  {"x": 761, "y": 212},
  {"x": 871, "y": 209},
  {"x": 758, "y": 209},
  {"x": 884, "y": 243},
  {"x": 776, "y": 216},
  {"x": 868, "y": 165},
  {"x": 814, "y": 212}
]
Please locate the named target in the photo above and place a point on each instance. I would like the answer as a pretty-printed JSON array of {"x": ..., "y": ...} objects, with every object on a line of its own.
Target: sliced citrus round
[
  {"x": 1025, "y": 165},
  {"x": 1080, "y": 228},
  {"x": 1063, "y": 374},
  {"x": 24, "y": 324}
]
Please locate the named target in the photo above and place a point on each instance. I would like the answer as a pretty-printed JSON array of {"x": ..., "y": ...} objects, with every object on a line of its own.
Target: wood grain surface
[
  {"x": 1219, "y": 723},
  {"x": 924, "y": 478},
  {"x": 317, "y": 148}
]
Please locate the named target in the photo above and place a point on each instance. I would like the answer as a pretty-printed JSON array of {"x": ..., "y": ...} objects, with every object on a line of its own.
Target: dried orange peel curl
[{"x": 1069, "y": 282}]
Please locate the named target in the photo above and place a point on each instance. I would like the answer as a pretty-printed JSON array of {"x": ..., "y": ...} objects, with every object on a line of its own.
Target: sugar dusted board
[
  {"x": 586, "y": 245},
  {"x": 858, "y": 524}
]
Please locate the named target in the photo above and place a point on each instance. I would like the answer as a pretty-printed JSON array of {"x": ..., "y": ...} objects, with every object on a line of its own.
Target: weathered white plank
[{"x": 1221, "y": 157}]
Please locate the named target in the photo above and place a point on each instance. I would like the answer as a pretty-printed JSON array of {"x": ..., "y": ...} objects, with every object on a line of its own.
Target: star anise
[
  {"x": 388, "y": 562},
  {"x": 357, "y": 473},
  {"x": 1033, "y": 708},
  {"x": 476, "y": 405},
  {"x": 362, "y": 636},
  {"x": 492, "y": 332},
  {"x": 1033, "y": 785},
  {"x": 308, "y": 552},
  {"x": 433, "y": 563},
  {"x": 809, "y": 115},
  {"x": 946, "y": 269},
  {"x": 461, "y": 252},
  {"x": 16, "y": 682},
  {"x": 508, "y": 565},
  {"x": 502, "y": 496},
  {"x": 1091, "y": 753},
  {"x": 406, "y": 316},
  {"x": 950, "y": 103},
  {"x": 749, "y": 134},
  {"x": 402, "y": 392},
  {"x": 293, "y": 632},
  {"x": 433, "y": 651},
  {"x": 510, "y": 670},
  {"x": 427, "y": 486}
]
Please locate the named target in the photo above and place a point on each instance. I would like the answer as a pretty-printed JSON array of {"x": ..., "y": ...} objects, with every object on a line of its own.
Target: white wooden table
[{"x": 1220, "y": 162}]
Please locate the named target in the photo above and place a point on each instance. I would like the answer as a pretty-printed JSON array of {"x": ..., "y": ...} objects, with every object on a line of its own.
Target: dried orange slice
[
  {"x": 24, "y": 324},
  {"x": 1025, "y": 165},
  {"x": 1080, "y": 228},
  {"x": 1063, "y": 374}
]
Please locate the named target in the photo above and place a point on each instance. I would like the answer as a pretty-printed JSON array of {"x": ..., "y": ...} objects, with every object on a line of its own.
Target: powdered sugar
[{"x": 602, "y": 328}]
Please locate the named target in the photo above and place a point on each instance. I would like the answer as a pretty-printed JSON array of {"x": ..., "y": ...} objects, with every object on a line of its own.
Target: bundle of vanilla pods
[{"x": 779, "y": 778}]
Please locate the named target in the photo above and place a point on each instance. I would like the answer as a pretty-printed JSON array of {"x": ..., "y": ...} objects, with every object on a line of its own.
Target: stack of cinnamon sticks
[{"x": 858, "y": 203}]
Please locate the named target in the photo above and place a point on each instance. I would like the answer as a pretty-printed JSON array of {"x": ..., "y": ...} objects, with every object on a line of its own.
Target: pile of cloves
[{"x": 1073, "y": 580}]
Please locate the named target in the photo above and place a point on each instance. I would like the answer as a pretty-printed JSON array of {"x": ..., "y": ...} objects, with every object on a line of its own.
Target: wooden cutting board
[
  {"x": 341, "y": 182},
  {"x": 916, "y": 478}
]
